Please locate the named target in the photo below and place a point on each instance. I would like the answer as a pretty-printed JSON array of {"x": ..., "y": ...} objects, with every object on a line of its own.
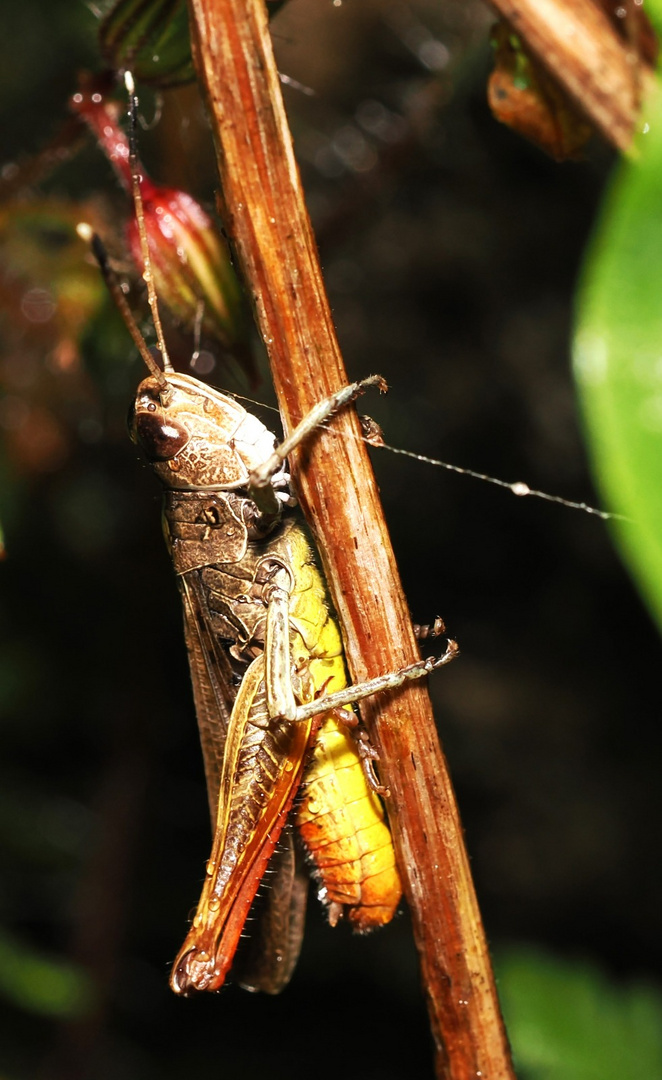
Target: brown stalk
[
  {"x": 576, "y": 42},
  {"x": 268, "y": 223}
]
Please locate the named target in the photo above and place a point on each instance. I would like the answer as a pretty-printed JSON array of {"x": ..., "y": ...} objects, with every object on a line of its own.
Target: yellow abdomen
[
  {"x": 342, "y": 825},
  {"x": 340, "y": 819}
]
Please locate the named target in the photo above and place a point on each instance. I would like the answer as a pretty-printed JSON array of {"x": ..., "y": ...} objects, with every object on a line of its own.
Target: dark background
[{"x": 451, "y": 250}]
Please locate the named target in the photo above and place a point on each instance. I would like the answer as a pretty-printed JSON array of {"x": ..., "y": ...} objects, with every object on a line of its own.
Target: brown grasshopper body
[
  {"x": 261, "y": 639},
  {"x": 267, "y": 668}
]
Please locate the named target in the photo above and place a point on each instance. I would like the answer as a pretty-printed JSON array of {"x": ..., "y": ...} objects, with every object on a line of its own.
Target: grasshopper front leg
[{"x": 260, "y": 489}]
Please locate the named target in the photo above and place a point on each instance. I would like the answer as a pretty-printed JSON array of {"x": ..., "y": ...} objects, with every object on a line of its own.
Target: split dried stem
[{"x": 266, "y": 218}]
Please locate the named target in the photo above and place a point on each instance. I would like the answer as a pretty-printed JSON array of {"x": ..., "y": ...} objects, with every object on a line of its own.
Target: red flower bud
[{"x": 190, "y": 259}]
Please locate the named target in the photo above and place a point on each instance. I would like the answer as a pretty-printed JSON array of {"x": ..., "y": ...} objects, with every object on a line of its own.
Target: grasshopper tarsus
[
  {"x": 369, "y": 755},
  {"x": 429, "y": 630},
  {"x": 195, "y": 970}
]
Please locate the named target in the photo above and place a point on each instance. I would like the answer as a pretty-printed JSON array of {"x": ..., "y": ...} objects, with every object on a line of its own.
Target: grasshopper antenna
[
  {"x": 140, "y": 217},
  {"x": 86, "y": 232}
]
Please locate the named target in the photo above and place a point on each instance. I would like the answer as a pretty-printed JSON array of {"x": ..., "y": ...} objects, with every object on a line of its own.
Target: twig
[
  {"x": 575, "y": 41},
  {"x": 268, "y": 224}
]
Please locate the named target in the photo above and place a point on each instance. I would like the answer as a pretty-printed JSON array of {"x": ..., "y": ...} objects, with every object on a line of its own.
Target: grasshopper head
[{"x": 195, "y": 437}]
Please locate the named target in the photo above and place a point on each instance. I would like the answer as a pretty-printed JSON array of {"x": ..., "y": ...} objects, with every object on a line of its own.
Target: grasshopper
[
  {"x": 273, "y": 705},
  {"x": 269, "y": 684}
]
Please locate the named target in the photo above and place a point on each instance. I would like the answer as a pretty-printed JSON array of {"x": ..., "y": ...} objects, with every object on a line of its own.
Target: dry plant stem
[
  {"x": 269, "y": 227},
  {"x": 577, "y": 44}
]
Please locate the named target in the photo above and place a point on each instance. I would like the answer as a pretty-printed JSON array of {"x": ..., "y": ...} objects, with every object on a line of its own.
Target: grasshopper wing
[
  {"x": 271, "y": 954},
  {"x": 214, "y": 689},
  {"x": 278, "y": 922},
  {"x": 262, "y": 768}
]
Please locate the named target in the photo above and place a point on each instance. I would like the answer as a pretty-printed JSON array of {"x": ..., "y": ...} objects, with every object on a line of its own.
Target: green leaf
[
  {"x": 41, "y": 984},
  {"x": 618, "y": 355},
  {"x": 151, "y": 38},
  {"x": 568, "y": 1021},
  {"x": 654, "y": 13}
]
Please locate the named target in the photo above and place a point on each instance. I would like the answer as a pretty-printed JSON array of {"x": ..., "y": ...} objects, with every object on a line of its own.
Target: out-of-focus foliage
[
  {"x": 618, "y": 354},
  {"x": 523, "y": 96},
  {"x": 40, "y": 984},
  {"x": 450, "y": 249},
  {"x": 150, "y": 39},
  {"x": 49, "y": 289},
  {"x": 49, "y": 295},
  {"x": 526, "y": 97},
  {"x": 568, "y": 1021}
]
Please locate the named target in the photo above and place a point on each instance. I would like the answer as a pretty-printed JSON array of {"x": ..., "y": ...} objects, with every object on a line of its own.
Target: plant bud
[
  {"x": 190, "y": 259},
  {"x": 150, "y": 38},
  {"x": 190, "y": 262}
]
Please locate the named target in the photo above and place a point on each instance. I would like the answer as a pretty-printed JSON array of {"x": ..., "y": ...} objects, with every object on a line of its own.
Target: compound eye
[{"x": 161, "y": 439}]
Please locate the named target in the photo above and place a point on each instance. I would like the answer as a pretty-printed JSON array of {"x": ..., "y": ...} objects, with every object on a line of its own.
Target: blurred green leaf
[
  {"x": 151, "y": 39},
  {"x": 568, "y": 1021},
  {"x": 618, "y": 355},
  {"x": 40, "y": 984},
  {"x": 654, "y": 13},
  {"x": 42, "y": 827}
]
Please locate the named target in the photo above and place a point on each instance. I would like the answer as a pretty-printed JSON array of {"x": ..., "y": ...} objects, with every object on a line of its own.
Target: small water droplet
[
  {"x": 38, "y": 306},
  {"x": 203, "y": 362},
  {"x": 214, "y": 903}
]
